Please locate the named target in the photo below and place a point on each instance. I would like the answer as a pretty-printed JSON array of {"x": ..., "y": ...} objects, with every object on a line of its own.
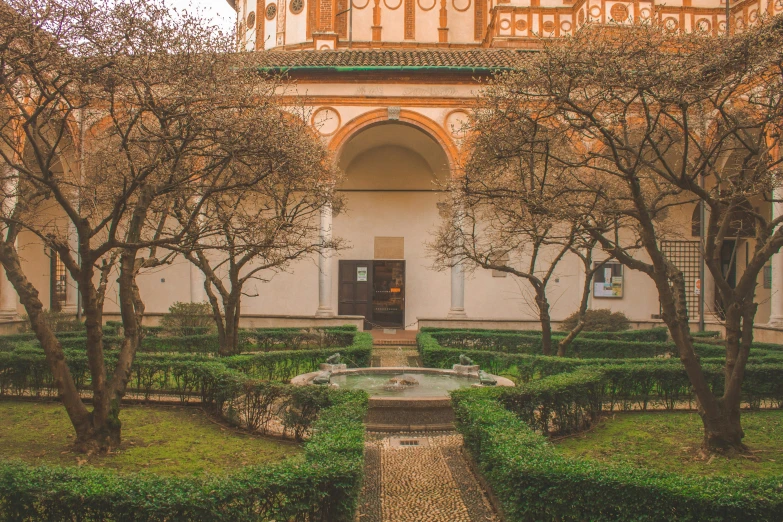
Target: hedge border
[{"x": 533, "y": 482}]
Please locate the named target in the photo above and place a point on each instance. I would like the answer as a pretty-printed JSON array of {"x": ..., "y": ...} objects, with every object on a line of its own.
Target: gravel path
[{"x": 418, "y": 477}]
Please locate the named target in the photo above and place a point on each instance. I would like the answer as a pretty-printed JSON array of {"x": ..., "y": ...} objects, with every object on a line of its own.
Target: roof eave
[{"x": 383, "y": 68}]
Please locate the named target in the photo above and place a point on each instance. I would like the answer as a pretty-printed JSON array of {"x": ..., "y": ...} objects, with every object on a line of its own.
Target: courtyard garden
[
  {"x": 611, "y": 432},
  {"x": 203, "y": 437}
]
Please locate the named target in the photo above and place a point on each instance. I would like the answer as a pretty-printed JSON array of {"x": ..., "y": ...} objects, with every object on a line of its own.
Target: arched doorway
[{"x": 395, "y": 175}]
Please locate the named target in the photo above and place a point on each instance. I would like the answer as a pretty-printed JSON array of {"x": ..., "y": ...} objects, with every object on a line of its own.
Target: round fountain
[{"x": 404, "y": 398}]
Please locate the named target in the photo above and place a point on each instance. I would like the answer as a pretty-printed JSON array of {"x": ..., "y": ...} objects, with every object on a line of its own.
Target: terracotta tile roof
[{"x": 446, "y": 58}]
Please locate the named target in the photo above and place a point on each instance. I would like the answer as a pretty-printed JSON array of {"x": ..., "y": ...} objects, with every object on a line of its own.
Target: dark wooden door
[{"x": 354, "y": 295}]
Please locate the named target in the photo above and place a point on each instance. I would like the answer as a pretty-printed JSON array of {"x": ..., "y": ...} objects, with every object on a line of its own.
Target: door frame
[{"x": 347, "y": 307}]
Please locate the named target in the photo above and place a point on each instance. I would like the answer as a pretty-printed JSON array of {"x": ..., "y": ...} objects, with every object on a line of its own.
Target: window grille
[
  {"x": 58, "y": 282},
  {"x": 686, "y": 256}
]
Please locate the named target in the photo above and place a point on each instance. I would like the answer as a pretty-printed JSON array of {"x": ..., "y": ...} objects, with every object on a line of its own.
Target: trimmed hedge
[
  {"x": 569, "y": 402},
  {"x": 531, "y": 344},
  {"x": 25, "y": 370},
  {"x": 499, "y": 352},
  {"x": 533, "y": 482},
  {"x": 321, "y": 486},
  {"x": 256, "y": 340},
  {"x": 650, "y": 334}
]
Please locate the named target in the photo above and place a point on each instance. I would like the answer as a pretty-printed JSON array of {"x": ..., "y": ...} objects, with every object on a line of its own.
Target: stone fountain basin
[{"x": 417, "y": 410}]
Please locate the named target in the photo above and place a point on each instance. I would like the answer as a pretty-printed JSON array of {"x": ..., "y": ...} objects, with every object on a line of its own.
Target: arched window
[
  {"x": 742, "y": 224},
  {"x": 696, "y": 221}
]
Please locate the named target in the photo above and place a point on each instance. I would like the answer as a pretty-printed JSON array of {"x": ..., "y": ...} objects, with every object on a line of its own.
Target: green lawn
[
  {"x": 168, "y": 440},
  {"x": 670, "y": 441}
]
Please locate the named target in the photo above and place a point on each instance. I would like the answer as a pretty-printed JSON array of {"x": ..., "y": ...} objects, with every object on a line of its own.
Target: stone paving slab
[{"x": 426, "y": 483}]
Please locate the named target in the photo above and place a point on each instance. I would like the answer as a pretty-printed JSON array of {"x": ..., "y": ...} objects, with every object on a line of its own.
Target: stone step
[{"x": 394, "y": 342}]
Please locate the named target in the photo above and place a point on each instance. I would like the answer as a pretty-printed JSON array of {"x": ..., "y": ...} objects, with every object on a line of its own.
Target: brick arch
[{"x": 407, "y": 117}]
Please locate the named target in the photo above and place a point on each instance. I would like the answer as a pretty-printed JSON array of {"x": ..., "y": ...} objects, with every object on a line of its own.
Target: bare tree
[
  {"x": 110, "y": 117},
  {"x": 501, "y": 214},
  {"x": 660, "y": 122},
  {"x": 249, "y": 233}
]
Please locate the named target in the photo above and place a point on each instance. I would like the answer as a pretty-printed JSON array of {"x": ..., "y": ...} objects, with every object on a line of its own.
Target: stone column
[
  {"x": 325, "y": 266},
  {"x": 8, "y": 298},
  {"x": 776, "y": 293},
  {"x": 197, "y": 278},
  {"x": 457, "y": 309},
  {"x": 71, "y": 287},
  {"x": 8, "y": 295}
]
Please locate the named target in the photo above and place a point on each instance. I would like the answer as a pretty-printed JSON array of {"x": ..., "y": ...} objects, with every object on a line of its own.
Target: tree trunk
[
  {"x": 563, "y": 345},
  {"x": 229, "y": 343},
  {"x": 720, "y": 417},
  {"x": 723, "y": 429},
  {"x": 546, "y": 322},
  {"x": 83, "y": 421}
]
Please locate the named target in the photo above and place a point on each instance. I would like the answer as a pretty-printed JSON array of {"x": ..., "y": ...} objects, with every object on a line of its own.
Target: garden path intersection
[{"x": 418, "y": 476}]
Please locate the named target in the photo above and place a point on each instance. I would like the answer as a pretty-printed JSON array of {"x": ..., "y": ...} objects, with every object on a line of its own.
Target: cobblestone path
[{"x": 418, "y": 477}]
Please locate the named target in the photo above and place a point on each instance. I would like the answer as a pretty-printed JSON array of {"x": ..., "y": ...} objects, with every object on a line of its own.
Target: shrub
[
  {"x": 533, "y": 482},
  {"x": 187, "y": 318},
  {"x": 600, "y": 320},
  {"x": 321, "y": 486},
  {"x": 59, "y": 321},
  {"x": 187, "y": 376}
]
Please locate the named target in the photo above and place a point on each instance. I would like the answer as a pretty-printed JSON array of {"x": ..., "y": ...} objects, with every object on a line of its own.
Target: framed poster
[
  {"x": 361, "y": 273},
  {"x": 608, "y": 281}
]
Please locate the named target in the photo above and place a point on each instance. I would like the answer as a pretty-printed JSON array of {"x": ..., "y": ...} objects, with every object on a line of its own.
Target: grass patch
[
  {"x": 165, "y": 440},
  {"x": 670, "y": 442}
]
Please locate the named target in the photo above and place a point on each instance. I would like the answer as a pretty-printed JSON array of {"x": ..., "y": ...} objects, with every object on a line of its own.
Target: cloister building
[{"x": 389, "y": 83}]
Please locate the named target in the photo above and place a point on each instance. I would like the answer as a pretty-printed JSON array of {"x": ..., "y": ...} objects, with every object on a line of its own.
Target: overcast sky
[{"x": 216, "y": 10}]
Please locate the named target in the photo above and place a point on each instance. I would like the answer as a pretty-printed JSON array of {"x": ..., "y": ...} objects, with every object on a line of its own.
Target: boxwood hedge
[
  {"x": 533, "y": 482},
  {"x": 322, "y": 486},
  {"x": 25, "y": 370}
]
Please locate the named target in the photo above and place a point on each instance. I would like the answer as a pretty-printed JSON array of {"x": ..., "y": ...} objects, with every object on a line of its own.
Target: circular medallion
[
  {"x": 326, "y": 121},
  {"x": 779, "y": 5},
  {"x": 671, "y": 24},
  {"x": 521, "y": 24},
  {"x": 392, "y": 6},
  {"x": 739, "y": 23},
  {"x": 548, "y": 26},
  {"x": 753, "y": 15},
  {"x": 271, "y": 11},
  {"x": 704, "y": 25},
  {"x": 357, "y": 6},
  {"x": 455, "y": 123},
  {"x": 595, "y": 11},
  {"x": 251, "y": 20},
  {"x": 505, "y": 24},
  {"x": 619, "y": 12},
  {"x": 644, "y": 13},
  {"x": 565, "y": 26},
  {"x": 461, "y": 5},
  {"x": 581, "y": 17},
  {"x": 425, "y": 5},
  {"x": 296, "y": 6}
]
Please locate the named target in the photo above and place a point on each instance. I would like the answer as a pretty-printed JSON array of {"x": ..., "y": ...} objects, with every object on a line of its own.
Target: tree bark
[
  {"x": 720, "y": 416},
  {"x": 545, "y": 320},
  {"x": 67, "y": 391},
  {"x": 564, "y": 343},
  {"x": 229, "y": 343}
]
